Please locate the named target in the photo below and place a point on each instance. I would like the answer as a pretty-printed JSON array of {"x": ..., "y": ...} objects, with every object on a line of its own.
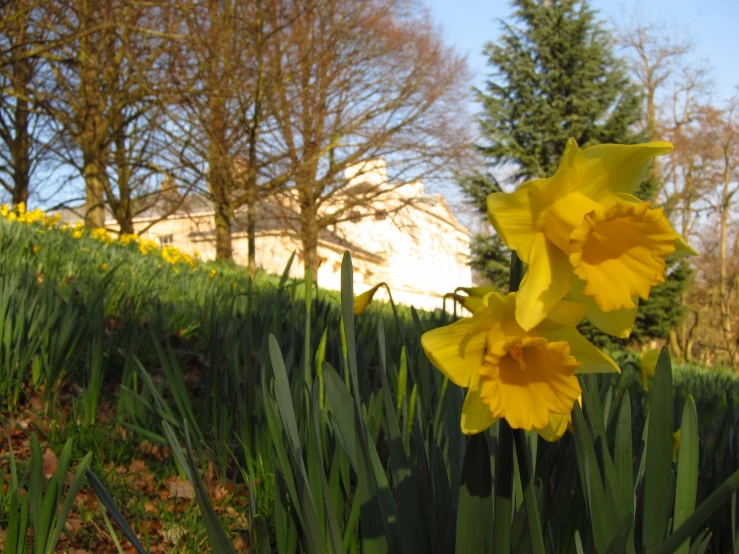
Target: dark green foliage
[
  {"x": 554, "y": 76},
  {"x": 369, "y": 455},
  {"x": 664, "y": 311},
  {"x": 489, "y": 257}
]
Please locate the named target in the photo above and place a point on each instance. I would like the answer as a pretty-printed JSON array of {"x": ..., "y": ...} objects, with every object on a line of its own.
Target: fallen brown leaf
[
  {"x": 73, "y": 525},
  {"x": 180, "y": 489},
  {"x": 50, "y": 463}
]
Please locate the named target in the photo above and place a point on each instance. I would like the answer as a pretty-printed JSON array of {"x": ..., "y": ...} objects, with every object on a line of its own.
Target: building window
[{"x": 166, "y": 240}]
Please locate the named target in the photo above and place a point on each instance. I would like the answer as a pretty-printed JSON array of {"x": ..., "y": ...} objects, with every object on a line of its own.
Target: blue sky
[
  {"x": 468, "y": 24},
  {"x": 711, "y": 24}
]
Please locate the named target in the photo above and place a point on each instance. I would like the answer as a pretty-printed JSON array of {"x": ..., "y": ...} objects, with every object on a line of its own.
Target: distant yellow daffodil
[
  {"x": 363, "y": 300},
  {"x": 103, "y": 267},
  {"x": 675, "y": 445},
  {"x": 102, "y": 235},
  {"x": 212, "y": 273},
  {"x": 647, "y": 366},
  {"x": 127, "y": 238},
  {"x": 524, "y": 376},
  {"x": 585, "y": 235},
  {"x": 77, "y": 234},
  {"x": 36, "y": 248}
]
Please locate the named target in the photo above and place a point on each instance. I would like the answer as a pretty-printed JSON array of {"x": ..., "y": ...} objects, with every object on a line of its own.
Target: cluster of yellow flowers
[
  {"x": 169, "y": 254},
  {"x": 20, "y": 215},
  {"x": 592, "y": 249},
  {"x": 173, "y": 256},
  {"x": 102, "y": 235},
  {"x": 127, "y": 238},
  {"x": 147, "y": 246}
]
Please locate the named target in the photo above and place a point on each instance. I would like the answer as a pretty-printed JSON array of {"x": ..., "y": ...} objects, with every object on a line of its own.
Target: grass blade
[
  {"x": 113, "y": 510},
  {"x": 687, "y": 469},
  {"x": 475, "y": 505},
  {"x": 659, "y": 455}
]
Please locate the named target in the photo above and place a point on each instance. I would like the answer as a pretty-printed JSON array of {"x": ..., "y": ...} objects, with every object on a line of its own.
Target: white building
[{"x": 416, "y": 245}]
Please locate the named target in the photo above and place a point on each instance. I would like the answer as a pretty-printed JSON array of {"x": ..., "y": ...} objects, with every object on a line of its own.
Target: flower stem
[{"x": 503, "y": 510}]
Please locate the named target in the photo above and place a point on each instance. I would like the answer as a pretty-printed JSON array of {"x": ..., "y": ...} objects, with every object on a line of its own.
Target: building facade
[{"x": 416, "y": 246}]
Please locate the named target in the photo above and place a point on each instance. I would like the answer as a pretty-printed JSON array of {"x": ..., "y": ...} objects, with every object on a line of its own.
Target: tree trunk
[
  {"x": 724, "y": 291},
  {"x": 94, "y": 194},
  {"x": 21, "y": 147},
  {"x": 309, "y": 239},
  {"x": 224, "y": 250},
  {"x": 251, "y": 228}
]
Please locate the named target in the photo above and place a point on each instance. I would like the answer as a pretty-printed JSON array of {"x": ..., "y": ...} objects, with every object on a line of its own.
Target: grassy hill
[{"x": 103, "y": 340}]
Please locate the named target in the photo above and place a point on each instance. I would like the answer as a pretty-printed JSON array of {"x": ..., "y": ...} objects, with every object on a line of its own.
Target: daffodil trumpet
[
  {"x": 586, "y": 237},
  {"x": 527, "y": 377}
]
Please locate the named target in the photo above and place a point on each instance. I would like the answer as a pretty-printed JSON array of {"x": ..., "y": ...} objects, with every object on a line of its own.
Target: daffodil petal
[
  {"x": 547, "y": 280},
  {"x": 617, "y": 323},
  {"x": 683, "y": 249},
  {"x": 456, "y": 349},
  {"x": 615, "y": 168},
  {"x": 620, "y": 253},
  {"x": 476, "y": 415},
  {"x": 567, "y": 313},
  {"x": 515, "y": 217},
  {"x": 361, "y": 301},
  {"x": 564, "y": 180},
  {"x": 525, "y": 388},
  {"x": 475, "y": 295},
  {"x": 592, "y": 359},
  {"x": 556, "y": 428}
]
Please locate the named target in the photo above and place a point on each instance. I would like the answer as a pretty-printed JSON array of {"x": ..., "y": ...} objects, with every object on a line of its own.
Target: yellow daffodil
[
  {"x": 212, "y": 274},
  {"x": 102, "y": 235},
  {"x": 475, "y": 295},
  {"x": 77, "y": 234},
  {"x": 36, "y": 248},
  {"x": 524, "y": 376},
  {"x": 103, "y": 267},
  {"x": 675, "y": 445},
  {"x": 585, "y": 235},
  {"x": 361, "y": 301},
  {"x": 147, "y": 245},
  {"x": 196, "y": 253},
  {"x": 127, "y": 238},
  {"x": 647, "y": 366}
]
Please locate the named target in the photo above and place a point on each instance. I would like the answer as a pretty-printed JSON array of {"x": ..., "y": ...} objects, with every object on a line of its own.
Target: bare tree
[
  {"x": 655, "y": 59},
  {"x": 661, "y": 64},
  {"x": 722, "y": 140},
  {"x": 23, "y": 128},
  {"x": 358, "y": 81},
  {"x": 221, "y": 87},
  {"x": 103, "y": 96}
]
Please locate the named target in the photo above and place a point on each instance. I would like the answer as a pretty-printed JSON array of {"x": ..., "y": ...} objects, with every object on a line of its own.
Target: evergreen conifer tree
[{"x": 554, "y": 76}]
